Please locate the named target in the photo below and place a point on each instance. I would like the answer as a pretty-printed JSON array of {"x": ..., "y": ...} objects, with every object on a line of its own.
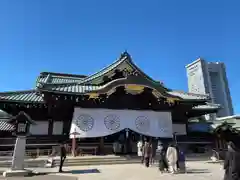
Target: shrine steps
[{"x": 79, "y": 161}]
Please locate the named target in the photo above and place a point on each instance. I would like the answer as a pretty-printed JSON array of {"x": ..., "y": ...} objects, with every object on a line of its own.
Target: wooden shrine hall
[{"x": 119, "y": 100}]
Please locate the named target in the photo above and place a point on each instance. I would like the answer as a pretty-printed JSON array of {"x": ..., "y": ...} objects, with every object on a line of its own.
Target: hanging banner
[{"x": 89, "y": 123}]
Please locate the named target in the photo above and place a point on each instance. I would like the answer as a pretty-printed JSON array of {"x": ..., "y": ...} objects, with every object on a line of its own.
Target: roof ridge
[
  {"x": 133, "y": 63},
  {"x": 62, "y": 74},
  {"x": 66, "y": 77},
  {"x": 122, "y": 58}
]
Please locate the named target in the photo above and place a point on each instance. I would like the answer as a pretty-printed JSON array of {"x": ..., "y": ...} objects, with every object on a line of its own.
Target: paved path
[
  {"x": 45, "y": 177},
  {"x": 198, "y": 170}
]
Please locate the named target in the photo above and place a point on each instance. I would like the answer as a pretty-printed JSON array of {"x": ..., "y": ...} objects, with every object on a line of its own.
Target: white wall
[
  {"x": 179, "y": 129},
  {"x": 57, "y": 128},
  {"x": 40, "y": 128}
]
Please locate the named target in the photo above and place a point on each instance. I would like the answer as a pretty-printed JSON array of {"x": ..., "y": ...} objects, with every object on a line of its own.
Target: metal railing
[{"x": 29, "y": 154}]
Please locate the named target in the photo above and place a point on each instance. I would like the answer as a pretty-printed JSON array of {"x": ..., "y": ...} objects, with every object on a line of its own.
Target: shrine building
[{"x": 118, "y": 100}]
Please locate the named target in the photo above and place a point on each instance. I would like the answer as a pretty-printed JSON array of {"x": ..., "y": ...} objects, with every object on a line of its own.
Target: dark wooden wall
[{"x": 60, "y": 107}]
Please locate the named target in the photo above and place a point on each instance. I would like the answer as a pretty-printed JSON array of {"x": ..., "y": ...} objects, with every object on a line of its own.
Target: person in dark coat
[
  {"x": 63, "y": 154},
  {"x": 181, "y": 161},
  {"x": 154, "y": 148},
  {"x": 147, "y": 150},
  {"x": 232, "y": 163},
  {"x": 178, "y": 151},
  {"x": 162, "y": 161},
  {"x": 165, "y": 163}
]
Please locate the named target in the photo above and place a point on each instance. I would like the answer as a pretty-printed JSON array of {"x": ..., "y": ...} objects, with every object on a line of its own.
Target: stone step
[
  {"x": 78, "y": 162},
  {"x": 78, "y": 158}
]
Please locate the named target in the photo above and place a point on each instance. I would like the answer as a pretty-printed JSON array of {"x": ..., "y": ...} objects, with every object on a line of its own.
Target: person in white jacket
[
  {"x": 140, "y": 148},
  {"x": 172, "y": 157}
]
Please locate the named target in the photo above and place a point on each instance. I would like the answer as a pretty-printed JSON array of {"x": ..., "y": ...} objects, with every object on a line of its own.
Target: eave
[
  {"x": 137, "y": 84},
  {"x": 28, "y": 96},
  {"x": 207, "y": 108}
]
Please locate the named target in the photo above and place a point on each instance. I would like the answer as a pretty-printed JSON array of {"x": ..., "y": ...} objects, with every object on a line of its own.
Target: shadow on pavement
[
  {"x": 197, "y": 171},
  {"x": 83, "y": 171},
  {"x": 45, "y": 177},
  {"x": 198, "y": 159}
]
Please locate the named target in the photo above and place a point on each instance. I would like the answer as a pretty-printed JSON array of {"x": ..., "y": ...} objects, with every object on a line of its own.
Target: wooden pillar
[
  {"x": 74, "y": 145},
  {"x": 50, "y": 120},
  {"x": 101, "y": 145}
]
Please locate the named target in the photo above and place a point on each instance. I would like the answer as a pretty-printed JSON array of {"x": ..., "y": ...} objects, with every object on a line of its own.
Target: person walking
[
  {"x": 232, "y": 163},
  {"x": 147, "y": 150},
  {"x": 140, "y": 150},
  {"x": 172, "y": 158},
  {"x": 178, "y": 154},
  {"x": 154, "y": 144},
  {"x": 160, "y": 155},
  {"x": 181, "y": 162},
  {"x": 63, "y": 154}
]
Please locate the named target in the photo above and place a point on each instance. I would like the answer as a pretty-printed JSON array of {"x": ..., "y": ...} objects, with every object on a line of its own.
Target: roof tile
[
  {"x": 207, "y": 106},
  {"x": 5, "y": 126},
  {"x": 71, "y": 88},
  {"x": 189, "y": 96},
  {"x": 21, "y": 96},
  {"x": 58, "y": 79}
]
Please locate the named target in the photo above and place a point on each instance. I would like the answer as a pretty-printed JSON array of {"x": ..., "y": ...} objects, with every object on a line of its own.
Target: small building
[{"x": 119, "y": 102}]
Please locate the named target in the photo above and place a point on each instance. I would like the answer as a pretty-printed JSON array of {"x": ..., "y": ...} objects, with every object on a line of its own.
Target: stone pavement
[
  {"x": 44, "y": 177},
  {"x": 198, "y": 170}
]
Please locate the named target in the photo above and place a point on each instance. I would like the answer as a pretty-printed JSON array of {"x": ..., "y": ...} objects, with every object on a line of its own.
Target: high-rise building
[{"x": 210, "y": 78}]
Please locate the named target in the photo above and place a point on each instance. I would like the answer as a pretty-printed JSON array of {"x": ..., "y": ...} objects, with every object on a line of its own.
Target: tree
[
  {"x": 225, "y": 128},
  {"x": 225, "y": 132}
]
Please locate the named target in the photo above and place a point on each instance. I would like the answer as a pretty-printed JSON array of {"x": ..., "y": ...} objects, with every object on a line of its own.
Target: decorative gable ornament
[
  {"x": 172, "y": 100},
  {"x": 93, "y": 95},
  {"x": 130, "y": 72}
]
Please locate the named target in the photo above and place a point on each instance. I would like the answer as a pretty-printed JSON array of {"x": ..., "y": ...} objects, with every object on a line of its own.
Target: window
[{"x": 21, "y": 127}]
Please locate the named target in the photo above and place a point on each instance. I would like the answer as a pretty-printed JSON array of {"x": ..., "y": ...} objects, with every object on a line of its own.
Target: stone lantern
[{"x": 22, "y": 124}]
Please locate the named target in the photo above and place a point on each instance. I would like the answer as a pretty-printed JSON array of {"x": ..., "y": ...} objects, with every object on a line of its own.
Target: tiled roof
[
  {"x": 70, "y": 88},
  {"x": 21, "y": 96},
  {"x": 189, "y": 96},
  {"x": 125, "y": 58},
  {"x": 5, "y": 126},
  {"x": 58, "y": 78},
  {"x": 4, "y": 115},
  {"x": 124, "y": 62}
]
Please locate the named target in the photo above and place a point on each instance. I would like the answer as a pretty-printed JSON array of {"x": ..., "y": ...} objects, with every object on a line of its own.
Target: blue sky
[{"x": 84, "y": 36}]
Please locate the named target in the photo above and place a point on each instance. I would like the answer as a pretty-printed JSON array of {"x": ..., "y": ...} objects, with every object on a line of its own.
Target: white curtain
[
  {"x": 57, "y": 127},
  {"x": 40, "y": 128},
  {"x": 180, "y": 129},
  {"x": 103, "y": 122}
]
